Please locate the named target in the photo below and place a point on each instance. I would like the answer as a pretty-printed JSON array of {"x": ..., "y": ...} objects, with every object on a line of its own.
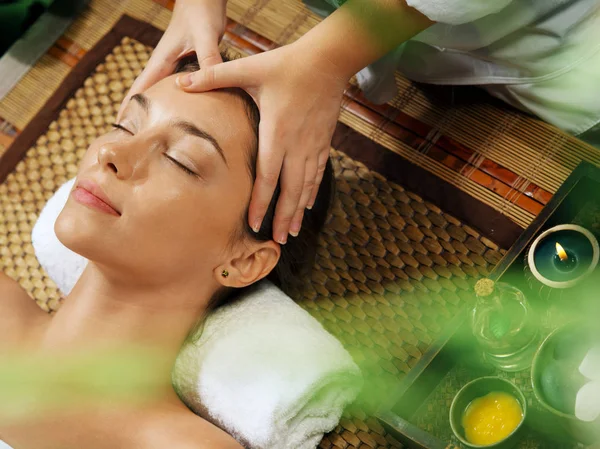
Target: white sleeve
[{"x": 457, "y": 12}]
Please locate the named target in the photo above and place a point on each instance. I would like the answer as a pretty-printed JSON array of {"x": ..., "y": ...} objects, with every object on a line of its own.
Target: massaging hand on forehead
[{"x": 298, "y": 88}]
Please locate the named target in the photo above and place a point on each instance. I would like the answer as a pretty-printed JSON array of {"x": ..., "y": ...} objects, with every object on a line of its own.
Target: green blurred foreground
[{"x": 32, "y": 384}]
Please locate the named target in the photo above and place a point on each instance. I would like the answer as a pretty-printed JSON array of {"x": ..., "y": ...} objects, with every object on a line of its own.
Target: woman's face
[{"x": 176, "y": 174}]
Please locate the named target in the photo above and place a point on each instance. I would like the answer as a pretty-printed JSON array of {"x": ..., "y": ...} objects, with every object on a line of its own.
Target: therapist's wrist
[
  {"x": 323, "y": 65},
  {"x": 208, "y": 5},
  {"x": 340, "y": 43},
  {"x": 201, "y": 17},
  {"x": 327, "y": 54},
  {"x": 360, "y": 32}
]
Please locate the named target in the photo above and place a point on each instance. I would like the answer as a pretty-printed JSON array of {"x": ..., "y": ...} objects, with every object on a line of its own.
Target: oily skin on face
[
  {"x": 174, "y": 225},
  {"x": 155, "y": 259},
  {"x": 176, "y": 172}
]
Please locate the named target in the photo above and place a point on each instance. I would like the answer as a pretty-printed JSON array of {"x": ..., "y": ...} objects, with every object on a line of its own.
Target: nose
[{"x": 114, "y": 158}]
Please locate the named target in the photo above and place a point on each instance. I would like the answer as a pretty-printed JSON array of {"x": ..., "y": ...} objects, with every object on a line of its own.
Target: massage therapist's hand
[
  {"x": 196, "y": 26},
  {"x": 299, "y": 99}
]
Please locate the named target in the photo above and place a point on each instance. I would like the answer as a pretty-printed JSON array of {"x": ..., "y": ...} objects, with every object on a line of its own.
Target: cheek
[{"x": 183, "y": 221}]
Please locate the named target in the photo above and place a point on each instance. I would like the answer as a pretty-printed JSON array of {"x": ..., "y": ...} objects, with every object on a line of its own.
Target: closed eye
[
  {"x": 122, "y": 128},
  {"x": 180, "y": 165},
  {"x": 172, "y": 160}
]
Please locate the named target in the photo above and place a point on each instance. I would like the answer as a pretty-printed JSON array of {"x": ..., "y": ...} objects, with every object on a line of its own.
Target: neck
[{"x": 103, "y": 312}]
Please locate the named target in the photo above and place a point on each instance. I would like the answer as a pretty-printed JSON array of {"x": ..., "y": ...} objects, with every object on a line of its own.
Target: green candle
[{"x": 562, "y": 256}]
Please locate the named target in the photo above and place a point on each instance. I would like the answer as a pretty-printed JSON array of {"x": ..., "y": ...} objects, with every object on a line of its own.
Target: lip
[{"x": 91, "y": 194}]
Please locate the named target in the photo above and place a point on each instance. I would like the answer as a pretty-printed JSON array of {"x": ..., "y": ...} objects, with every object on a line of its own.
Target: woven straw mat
[{"x": 391, "y": 268}]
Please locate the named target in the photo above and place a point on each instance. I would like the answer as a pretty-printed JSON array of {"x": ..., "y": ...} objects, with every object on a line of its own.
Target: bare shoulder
[
  {"x": 181, "y": 428},
  {"x": 203, "y": 437},
  {"x": 19, "y": 310}
]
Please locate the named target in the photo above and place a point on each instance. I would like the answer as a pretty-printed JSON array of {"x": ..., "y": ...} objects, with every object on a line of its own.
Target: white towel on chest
[{"x": 262, "y": 368}]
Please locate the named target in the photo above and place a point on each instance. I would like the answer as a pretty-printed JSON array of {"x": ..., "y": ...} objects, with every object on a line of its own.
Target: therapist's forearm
[{"x": 360, "y": 32}]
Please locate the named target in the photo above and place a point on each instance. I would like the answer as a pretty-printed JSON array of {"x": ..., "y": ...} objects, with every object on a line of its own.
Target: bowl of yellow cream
[{"x": 488, "y": 412}]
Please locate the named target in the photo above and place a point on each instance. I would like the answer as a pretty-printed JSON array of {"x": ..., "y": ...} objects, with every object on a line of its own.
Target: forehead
[{"x": 219, "y": 113}]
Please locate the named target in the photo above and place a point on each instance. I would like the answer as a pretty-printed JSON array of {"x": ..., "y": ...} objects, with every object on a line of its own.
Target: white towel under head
[
  {"x": 266, "y": 370},
  {"x": 262, "y": 368},
  {"x": 62, "y": 265}
]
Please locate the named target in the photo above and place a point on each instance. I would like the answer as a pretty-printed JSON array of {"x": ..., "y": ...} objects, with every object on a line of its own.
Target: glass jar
[{"x": 504, "y": 326}]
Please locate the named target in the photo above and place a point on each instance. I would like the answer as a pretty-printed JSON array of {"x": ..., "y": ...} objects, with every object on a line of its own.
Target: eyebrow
[
  {"x": 143, "y": 101},
  {"x": 184, "y": 125}
]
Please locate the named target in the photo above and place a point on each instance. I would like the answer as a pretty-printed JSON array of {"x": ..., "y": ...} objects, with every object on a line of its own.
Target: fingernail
[
  {"x": 184, "y": 80},
  {"x": 294, "y": 230},
  {"x": 282, "y": 239},
  {"x": 310, "y": 206},
  {"x": 256, "y": 226}
]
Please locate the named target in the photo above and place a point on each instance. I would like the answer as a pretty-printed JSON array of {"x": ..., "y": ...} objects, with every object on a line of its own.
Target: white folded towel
[
  {"x": 266, "y": 371},
  {"x": 62, "y": 265},
  {"x": 262, "y": 368}
]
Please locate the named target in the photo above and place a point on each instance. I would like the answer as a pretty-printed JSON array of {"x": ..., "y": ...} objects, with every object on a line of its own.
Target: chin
[
  {"x": 84, "y": 232},
  {"x": 78, "y": 231}
]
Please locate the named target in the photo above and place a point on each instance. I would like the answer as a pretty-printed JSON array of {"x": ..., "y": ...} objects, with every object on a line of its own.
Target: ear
[{"x": 256, "y": 261}]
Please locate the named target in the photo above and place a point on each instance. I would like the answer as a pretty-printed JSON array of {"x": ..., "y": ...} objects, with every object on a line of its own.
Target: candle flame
[{"x": 562, "y": 254}]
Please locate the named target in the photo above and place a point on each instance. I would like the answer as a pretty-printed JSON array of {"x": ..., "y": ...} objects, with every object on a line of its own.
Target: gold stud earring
[{"x": 224, "y": 273}]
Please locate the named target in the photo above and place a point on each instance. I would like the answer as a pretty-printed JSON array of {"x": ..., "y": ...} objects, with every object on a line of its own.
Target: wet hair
[{"x": 297, "y": 255}]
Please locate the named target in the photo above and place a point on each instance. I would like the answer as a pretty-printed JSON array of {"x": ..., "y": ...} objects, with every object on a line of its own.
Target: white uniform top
[{"x": 540, "y": 55}]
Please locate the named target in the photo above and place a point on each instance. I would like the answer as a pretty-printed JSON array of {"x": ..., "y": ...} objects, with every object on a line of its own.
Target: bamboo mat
[
  {"x": 391, "y": 270},
  {"x": 392, "y": 267},
  {"x": 497, "y": 155}
]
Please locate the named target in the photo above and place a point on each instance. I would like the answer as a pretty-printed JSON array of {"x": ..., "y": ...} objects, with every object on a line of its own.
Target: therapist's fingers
[
  {"x": 322, "y": 164},
  {"x": 236, "y": 73},
  {"x": 206, "y": 46},
  {"x": 310, "y": 175},
  {"x": 160, "y": 65},
  {"x": 292, "y": 186},
  {"x": 268, "y": 168}
]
